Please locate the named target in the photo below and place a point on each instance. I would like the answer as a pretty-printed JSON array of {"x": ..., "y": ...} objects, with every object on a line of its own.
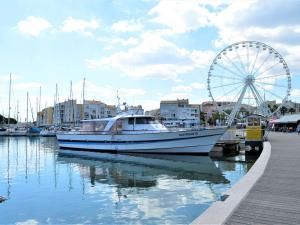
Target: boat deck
[{"x": 275, "y": 198}]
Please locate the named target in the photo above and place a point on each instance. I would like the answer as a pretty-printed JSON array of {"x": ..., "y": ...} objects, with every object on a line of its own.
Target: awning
[{"x": 295, "y": 118}]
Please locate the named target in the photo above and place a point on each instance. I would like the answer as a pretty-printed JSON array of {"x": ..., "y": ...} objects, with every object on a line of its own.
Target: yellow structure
[
  {"x": 45, "y": 117},
  {"x": 254, "y": 132}
]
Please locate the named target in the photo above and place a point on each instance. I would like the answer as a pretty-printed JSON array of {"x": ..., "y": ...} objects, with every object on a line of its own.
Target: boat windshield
[{"x": 93, "y": 126}]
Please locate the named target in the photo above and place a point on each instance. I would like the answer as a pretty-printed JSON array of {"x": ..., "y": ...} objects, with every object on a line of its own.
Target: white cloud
[
  {"x": 154, "y": 57},
  {"x": 182, "y": 16},
  {"x": 188, "y": 88},
  {"x": 150, "y": 104},
  {"x": 108, "y": 93},
  {"x": 127, "y": 26},
  {"x": 273, "y": 22},
  {"x": 28, "y": 222},
  {"x": 129, "y": 92},
  {"x": 27, "y": 85},
  {"x": 7, "y": 76},
  {"x": 176, "y": 95},
  {"x": 33, "y": 26},
  {"x": 295, "y": 93},
  {"x": 80, "y": 26},
  {"x": 119, "y": 41}
]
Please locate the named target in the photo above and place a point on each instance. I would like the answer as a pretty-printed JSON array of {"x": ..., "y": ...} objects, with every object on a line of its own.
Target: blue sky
[{"x": 148, "y": 50}]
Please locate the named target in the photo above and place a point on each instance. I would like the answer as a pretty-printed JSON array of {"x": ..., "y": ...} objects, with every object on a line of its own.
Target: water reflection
[
  {"x": 141, "y": 170},
  {"x": 109, "y": 188}
]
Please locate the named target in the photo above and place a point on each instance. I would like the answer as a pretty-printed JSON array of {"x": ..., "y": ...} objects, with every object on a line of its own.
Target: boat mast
[
  {"x": 9, "y": 96},
  {"x": 36, "y": 108},
  {"x": 27, "y": 110},
  {"x": 83, "y": 91},
  {"x": 17, "y": 111},
  {"x": 40, "y": 98},
  {"x": 55, "y": 114},
  {"x": 72, "y": 106}
]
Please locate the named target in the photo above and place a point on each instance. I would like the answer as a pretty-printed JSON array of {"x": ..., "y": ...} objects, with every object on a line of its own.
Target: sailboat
[{"x": 32, "y": 131}]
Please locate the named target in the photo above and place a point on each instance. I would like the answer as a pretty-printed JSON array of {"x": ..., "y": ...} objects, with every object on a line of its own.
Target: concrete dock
[
  {"x": 275, "y": 198},
  {"x": 269, "y": 193}
]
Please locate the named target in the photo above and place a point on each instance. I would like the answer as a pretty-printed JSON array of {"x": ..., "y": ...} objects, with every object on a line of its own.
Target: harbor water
[{"x": 43, "y": 185}]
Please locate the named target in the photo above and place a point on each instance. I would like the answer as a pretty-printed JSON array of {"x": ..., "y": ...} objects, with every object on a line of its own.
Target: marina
[
  {"x": 110, "y": 188},
  {"x": 149, "y": 112}
]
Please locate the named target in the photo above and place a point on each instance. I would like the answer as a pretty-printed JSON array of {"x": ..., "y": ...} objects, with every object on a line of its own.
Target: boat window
[
  {"x": 117, "y": 126},
  {"x": 88, "y": 126},
  {"x": 100, "y": 125},
  {"x": 141, "y": 120},
  {"x": 146, "y": 120},
  {"x": 93, "y": 126},
  {"x": 131, "y": 121}
]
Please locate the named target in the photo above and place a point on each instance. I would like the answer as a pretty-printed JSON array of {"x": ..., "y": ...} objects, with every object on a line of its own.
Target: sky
[{"x": 148, "y": 50}]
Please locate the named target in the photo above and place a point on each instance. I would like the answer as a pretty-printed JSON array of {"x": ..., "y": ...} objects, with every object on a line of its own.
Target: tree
[
  {"x": 4, "y": 120},
  {"x": 283, "y": 110},
  {"x": 292, "y": 110},
  {"x": 274, "y": 108}
]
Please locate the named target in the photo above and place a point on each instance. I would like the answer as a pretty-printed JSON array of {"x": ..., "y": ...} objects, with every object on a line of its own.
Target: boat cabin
[{"x": 122, "y": 124}]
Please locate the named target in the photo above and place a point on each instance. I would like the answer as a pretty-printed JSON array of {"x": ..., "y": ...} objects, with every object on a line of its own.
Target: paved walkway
[{"x": 275, "y": 198}]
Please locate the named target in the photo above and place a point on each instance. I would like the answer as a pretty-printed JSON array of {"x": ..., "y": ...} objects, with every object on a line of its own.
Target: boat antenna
[
  {"x": 83, "y": 90},
  {"x": 118, "y": 106}
]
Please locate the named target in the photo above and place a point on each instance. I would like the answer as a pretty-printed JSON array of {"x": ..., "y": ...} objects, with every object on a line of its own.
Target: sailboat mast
[
  {"x": 9, "y": 96},
  {"x": 40, "y": 99},
  {"x": 27, "y": 109},
  {"x": 83, "y": 95},
  {"x": 72, "y": 102},
  {"x": 17, "y": 110}
]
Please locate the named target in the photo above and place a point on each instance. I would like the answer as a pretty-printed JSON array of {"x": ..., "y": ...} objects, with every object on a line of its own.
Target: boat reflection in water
[{"x": 141, "y": 170}]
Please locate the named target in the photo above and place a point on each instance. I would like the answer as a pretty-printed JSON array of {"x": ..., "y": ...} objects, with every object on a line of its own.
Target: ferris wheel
[{"x": 248, "y": 76}]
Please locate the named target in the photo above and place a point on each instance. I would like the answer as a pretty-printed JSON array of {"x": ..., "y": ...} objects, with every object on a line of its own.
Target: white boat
[
  {"x": 3, "y": 132},
  {"x": 48, "y": 133},
  {"x": 138, "y": 134},
  {"x": 18, "y": 132}
]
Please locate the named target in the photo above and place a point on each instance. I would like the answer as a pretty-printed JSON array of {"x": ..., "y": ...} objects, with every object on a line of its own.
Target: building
[
  {"x": 96, "y": 110},
  {"x": 179, "y": 113},
  {"x": 154, "y": 112},
  {"x": 110, "y": 111},
  {"x": 67, "y": 112},
  {"x": 136, "y": 110},
  {"x": 209, "y": 107},
  {"x": 45, "y": 117}
]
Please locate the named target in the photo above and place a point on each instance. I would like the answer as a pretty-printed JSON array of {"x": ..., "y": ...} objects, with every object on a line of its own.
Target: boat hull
[{"x": 181, "y": 142}]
